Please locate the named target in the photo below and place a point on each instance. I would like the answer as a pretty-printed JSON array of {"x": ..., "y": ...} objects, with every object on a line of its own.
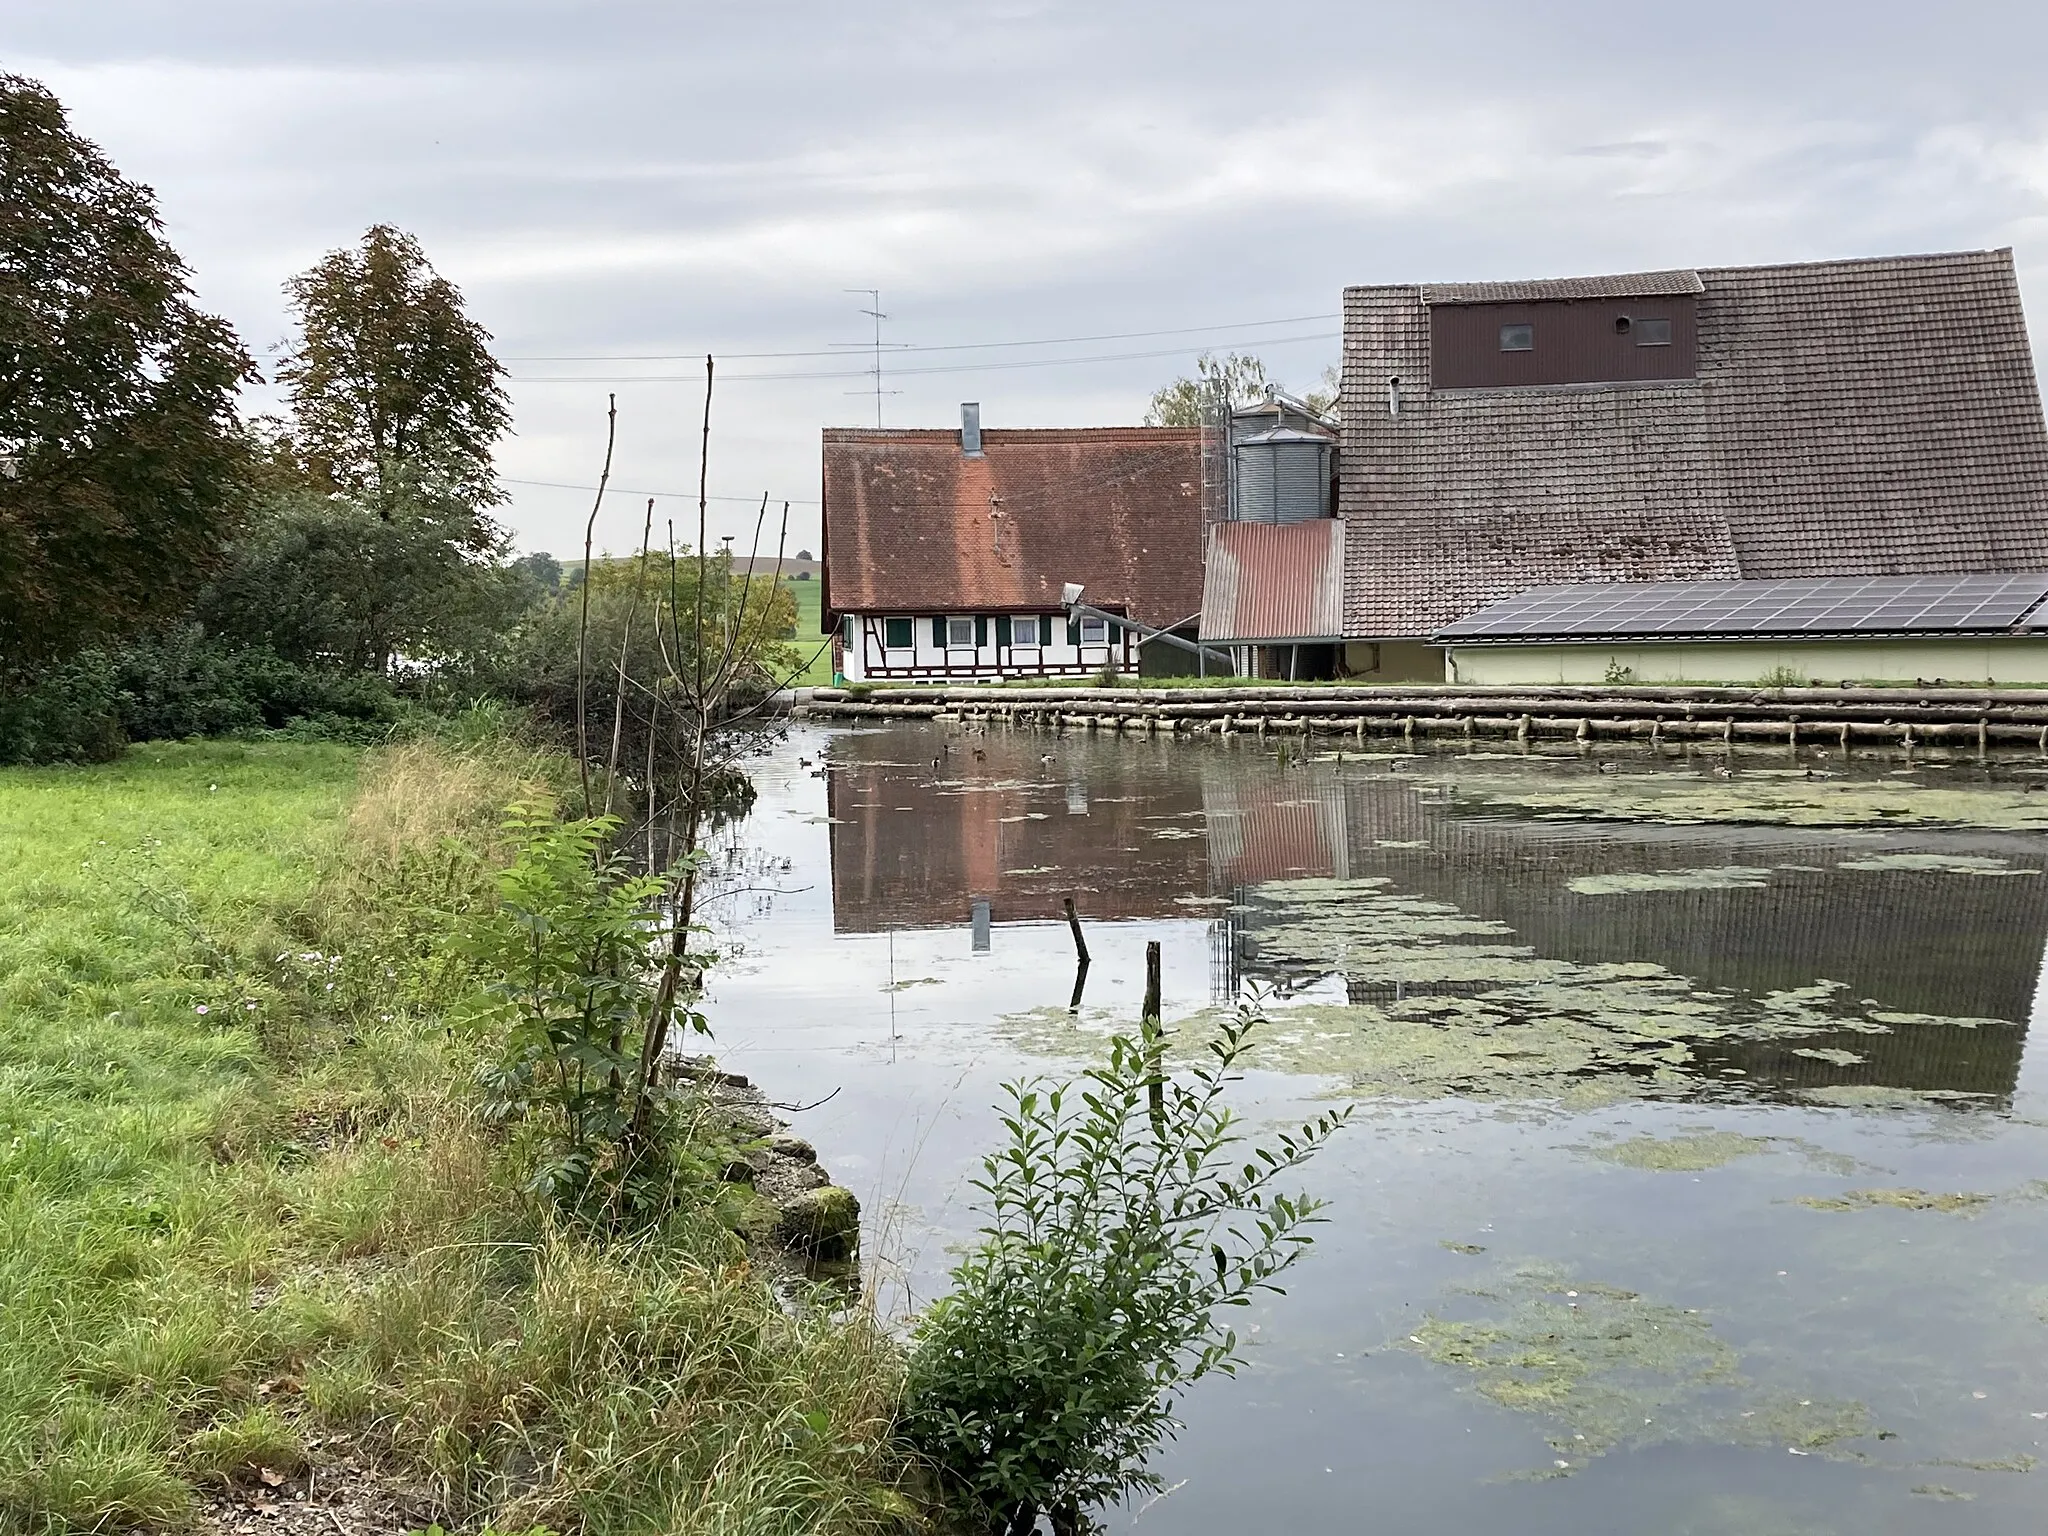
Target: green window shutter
[
  {"x": 1073, "y": 630},
  {"x": 896, "y": 634},
  {"x": 1116, "y": 634},
  {"x": 1002, "y": 629},
  {"x": 939, "y": 633},
  {"x": 980, "y": 631}
]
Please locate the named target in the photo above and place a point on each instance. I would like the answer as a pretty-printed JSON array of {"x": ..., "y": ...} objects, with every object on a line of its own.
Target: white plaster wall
[{"x": 2003, "y": 660}]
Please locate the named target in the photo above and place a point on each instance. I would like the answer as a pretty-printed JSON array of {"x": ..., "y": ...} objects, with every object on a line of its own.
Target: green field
[
  {"x": 253, "y": 1230},
  {"x": 818, "y": 673}
]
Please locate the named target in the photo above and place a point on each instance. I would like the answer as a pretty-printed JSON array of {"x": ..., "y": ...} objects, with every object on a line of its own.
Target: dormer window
[
  {"x": 1651, "y": 333},
  {"x": 1518, "y": 338}
]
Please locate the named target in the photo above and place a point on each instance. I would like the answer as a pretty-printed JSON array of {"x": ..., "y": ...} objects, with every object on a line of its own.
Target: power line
[
  {"x": 614, "y": 490},
  {"x": 1033, "y": 362},
  {"x": 963, "y": 346}
]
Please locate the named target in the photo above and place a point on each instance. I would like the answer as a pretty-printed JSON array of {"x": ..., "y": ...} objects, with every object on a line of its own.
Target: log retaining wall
[{"x": 1971, "y": 720}]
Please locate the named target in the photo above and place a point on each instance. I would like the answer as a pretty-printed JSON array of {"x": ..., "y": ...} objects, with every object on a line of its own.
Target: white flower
[{"x": 200, "y": 1008}]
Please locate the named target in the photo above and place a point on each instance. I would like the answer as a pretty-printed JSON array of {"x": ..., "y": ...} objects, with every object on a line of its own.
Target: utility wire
[
  {"x": 1035, "y": 362},
  {"x": 963, "y": 346}
]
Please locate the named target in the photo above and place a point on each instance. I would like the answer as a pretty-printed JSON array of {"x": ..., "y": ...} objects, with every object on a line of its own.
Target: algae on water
[
  {"x": 1757, "y": 797},
  {"x": 1720, "y": 877},
  {"x": 1612, "y": 1369},
  {"x": 1939, "y": 863},
  {"x": 1898, "y": 1199}
]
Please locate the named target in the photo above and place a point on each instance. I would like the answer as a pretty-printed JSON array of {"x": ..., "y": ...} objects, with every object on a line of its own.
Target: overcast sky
[{"x": 650, "y": 180}]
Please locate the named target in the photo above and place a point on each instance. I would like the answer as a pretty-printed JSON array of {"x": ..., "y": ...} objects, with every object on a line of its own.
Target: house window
[
  {"x": 1518, "y": 338},
  {"x": 896, "y": 634},
  {"x": 960, "y": 632},
  {"x": 1652, "y": 333},
  {"x": 1095, "y": 632},
  {"x": 1024, "y": 631}
]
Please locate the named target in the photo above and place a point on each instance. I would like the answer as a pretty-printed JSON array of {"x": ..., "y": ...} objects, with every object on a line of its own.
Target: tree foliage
[
  {"x": 332, "y": 580},
  {"x": 1233, "y": 381},
  {"x": 120, "y": 454},
  {"x": 393, "y": 386}
]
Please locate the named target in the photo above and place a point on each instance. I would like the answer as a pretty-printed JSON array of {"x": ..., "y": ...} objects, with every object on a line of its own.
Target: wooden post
[
  {"x": 1155, "y": 1041},
  {"x": 1074, "y": 922}
]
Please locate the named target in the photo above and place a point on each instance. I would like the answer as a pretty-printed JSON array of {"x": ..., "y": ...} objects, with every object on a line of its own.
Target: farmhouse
[
  {"x": 1845, "y": 419},
  {"x": 946, "y": 554}
]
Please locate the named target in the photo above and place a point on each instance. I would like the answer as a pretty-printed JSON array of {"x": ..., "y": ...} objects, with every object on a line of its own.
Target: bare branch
[{"x": 611, "y": 427}]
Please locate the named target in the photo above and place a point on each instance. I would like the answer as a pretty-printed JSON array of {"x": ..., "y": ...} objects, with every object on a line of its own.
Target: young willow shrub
[
  {"x": 1121, "y": 1223},
  {"x": 573, "y": 990}
]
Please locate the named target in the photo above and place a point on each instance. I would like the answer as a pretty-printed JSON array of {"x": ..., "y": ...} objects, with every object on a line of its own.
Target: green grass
[
  {"x": 244, "y": 1201},
  {"x": 809, "y": 640}
]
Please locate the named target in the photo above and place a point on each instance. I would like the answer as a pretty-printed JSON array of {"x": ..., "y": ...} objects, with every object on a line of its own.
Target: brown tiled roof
[
  {"x": 913, "y": 525},
  {"x": 1624, "y": 285},
  {"x": 1274, "y": 581},
  {"x": 1849, "y": 418}
]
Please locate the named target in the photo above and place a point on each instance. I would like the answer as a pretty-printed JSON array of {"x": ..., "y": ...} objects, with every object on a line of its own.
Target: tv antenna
[{"x": 874, "y": 312}]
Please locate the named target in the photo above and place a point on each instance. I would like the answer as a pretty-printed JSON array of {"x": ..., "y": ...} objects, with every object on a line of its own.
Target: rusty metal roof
[
  {"x": 1274, "y": 582},
  {"x": 1624, "y": 285}
]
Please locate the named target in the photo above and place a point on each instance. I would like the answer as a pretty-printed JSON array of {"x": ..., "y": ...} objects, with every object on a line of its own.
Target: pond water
[{"x": 1699, "y": 1178}]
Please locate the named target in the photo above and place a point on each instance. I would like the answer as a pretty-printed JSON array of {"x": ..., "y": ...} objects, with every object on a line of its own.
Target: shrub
[
  {"x": 1780, "y": 676},
  {"x": 571, "y": 998},
  {"x": 1120, "y": 1224}
]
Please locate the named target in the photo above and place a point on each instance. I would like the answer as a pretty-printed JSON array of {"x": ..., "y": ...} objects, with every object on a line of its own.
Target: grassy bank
[{"x": 250, "y": 1224}]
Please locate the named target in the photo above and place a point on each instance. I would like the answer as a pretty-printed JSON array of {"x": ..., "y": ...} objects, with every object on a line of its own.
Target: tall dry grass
[{"x": 290, "y": 1222}]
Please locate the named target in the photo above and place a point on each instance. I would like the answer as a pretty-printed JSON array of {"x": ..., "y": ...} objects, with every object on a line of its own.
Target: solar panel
[{"x": 1976, "y": 604}]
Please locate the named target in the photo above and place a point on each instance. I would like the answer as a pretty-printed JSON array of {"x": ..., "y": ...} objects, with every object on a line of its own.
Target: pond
[{"x": 1699, "y": 1178}]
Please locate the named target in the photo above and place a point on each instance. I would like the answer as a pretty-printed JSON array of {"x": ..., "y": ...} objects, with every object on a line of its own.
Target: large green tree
[
  {"x": 120, "y": 454},
  {"x": 393, "y": 385}
]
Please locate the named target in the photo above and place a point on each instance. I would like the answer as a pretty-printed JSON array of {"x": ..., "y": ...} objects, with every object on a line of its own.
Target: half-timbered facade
[{"x": 946, "y": 553}]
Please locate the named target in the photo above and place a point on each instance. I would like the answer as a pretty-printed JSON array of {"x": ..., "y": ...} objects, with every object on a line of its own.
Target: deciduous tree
[
  {"x": 120, "y": 454},
  {"x": 390, "y": 376}
]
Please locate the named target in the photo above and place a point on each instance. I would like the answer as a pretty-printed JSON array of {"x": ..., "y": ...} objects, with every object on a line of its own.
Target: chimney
[{"x": 970, "y": 428}]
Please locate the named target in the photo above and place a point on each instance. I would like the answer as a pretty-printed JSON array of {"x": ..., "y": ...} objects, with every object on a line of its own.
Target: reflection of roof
[
  {"x": 1625, "y": 285},
  {"x": 1849, "y": 418},
  {"x": 1272, "y": 582},
  {"x": 1677, "y": 610},
  {"x": 913, "y": 525}
]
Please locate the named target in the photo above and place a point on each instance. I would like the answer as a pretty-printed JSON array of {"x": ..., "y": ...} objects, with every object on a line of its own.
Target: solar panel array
[{"x": 1840, "y": 605}]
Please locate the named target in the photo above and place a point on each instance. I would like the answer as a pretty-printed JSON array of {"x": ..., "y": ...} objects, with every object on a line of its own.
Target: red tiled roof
[
  {"x": 913, "y": 525},
  {"x": 1274, "y": 582}
]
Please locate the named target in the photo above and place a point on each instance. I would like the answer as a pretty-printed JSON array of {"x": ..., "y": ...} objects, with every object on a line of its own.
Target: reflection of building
[
  {"x": 1914, "y": 940},
  {"x": 1159, "y": 831},
  {"x": 913, "y": 846}
]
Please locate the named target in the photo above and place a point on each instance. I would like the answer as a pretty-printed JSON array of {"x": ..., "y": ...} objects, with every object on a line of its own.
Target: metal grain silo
[{"x": 1283, "y": 476}]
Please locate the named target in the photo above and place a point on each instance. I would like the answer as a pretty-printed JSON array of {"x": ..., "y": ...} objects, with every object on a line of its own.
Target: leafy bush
[
  {"x": 184, "y": 683},
  {"x": 571, "y": 997},
  {"x": 1120, "y": 1224},
  {"x": 1780, "y": 676},
  {"x": 1618, "y": 672}
]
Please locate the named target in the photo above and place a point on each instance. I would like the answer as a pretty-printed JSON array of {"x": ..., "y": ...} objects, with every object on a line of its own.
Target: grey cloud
[{"x": 662, "y": 178}]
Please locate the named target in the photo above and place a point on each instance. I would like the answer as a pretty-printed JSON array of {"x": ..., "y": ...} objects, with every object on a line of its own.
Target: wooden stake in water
[
  {"x": 1080, "y": 956},
  {"x": 1154, "y": 1038}
]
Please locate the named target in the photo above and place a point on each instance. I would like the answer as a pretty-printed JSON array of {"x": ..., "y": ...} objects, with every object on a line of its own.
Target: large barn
[{"x": 1870, "y": 418}]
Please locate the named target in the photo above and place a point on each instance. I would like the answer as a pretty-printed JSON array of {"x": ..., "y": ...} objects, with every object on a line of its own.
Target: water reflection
[
  {"x": 1904, "y": 1348},
  {"x": 1906, "y": 926}
]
